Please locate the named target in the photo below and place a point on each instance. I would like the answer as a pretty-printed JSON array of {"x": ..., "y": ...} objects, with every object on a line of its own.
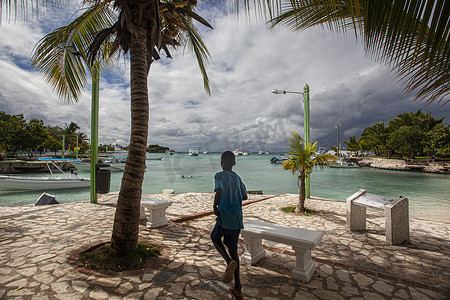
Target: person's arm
[
  {"x": 244, "y": 189},
  {"x": 217, "y": 198}
]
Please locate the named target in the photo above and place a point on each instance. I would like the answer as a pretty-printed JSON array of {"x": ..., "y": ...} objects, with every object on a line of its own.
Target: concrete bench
[
  {"x": 396, "y": 215},
  {"x": 301, "y": 240},
  {"x": 155, "y": 211}
]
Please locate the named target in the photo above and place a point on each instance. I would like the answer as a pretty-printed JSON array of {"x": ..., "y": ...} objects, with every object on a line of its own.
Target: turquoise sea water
[{"x": 428, "y": 194}]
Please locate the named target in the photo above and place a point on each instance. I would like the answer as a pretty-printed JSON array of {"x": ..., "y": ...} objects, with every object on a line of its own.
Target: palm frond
[
  {"x": 411, "y": 36},
  {"x": 195, "y": 43},
  {"x": 61, "y": 56}
]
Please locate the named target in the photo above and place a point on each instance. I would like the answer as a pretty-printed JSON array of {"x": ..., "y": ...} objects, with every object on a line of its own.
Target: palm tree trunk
[
  {"x": 302, "y": 194},
  {"x": 126, "y": 221}
]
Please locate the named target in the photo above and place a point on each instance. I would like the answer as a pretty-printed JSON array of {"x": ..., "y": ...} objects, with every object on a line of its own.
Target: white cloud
[{"x": 247, "y": 62}]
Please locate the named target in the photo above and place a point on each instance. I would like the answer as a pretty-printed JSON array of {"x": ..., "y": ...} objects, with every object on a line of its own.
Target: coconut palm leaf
[
  {"x": 61, "y": 56},
  {"x": 412, "y": 36}
]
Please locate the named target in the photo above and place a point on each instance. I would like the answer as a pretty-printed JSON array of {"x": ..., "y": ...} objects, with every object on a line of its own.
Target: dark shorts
[{"x": 230, "y": 237}]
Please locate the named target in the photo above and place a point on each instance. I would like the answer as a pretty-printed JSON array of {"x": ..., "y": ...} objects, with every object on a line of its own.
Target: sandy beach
[{"x": 38, "y": 245}]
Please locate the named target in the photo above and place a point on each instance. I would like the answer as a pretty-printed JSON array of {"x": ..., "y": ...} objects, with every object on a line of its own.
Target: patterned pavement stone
[{"x": 36, "y": 244}]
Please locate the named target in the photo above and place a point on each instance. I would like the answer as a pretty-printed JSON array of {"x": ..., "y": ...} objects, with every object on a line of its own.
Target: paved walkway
[{"x": 36, "y": 244}]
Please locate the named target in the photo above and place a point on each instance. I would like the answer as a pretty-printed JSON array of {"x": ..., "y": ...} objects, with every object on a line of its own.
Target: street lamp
[
  {"x": 338, "y": 146},
  {"x": 94, "y": 123},
  {"x": 306, "y": 121}
]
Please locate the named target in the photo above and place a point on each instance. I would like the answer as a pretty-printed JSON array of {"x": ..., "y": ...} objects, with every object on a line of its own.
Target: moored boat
[
  {"x": 52, "y": 182},
  {"x": 86, "y": 167},
  {"x": 193, "y": 152},
  {"x": 278, "y": 160},
  {"x": 344, "y": 164}
]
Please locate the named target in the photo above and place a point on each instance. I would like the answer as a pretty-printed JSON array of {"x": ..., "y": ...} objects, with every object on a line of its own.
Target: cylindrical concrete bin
[{"x": 102, "y": 178}]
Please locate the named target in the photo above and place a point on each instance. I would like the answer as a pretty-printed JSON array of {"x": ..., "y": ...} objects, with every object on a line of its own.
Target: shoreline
[
  {"x": 438, "y": 167},
  {"x": 28, "y": 208}
]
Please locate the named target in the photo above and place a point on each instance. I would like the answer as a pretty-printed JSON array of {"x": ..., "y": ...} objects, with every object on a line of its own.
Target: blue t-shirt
[{"x": 230, "y": 206}]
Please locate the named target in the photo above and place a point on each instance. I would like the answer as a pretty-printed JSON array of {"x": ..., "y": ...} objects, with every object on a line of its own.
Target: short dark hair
[{"x": 228, "y": 157}]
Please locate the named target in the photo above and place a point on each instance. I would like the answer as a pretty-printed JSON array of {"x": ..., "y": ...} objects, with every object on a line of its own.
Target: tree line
[
  {"x": 19, "y": 135},
  {"x": 407, "y": 135}
]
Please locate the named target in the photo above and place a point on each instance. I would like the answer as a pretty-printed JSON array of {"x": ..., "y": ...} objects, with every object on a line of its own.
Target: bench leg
[
  {"x": 397, "y": 223},
  {"x": 156, "y": 217},
  {"x": 356, "y": 216},
  {"x": 253, "y": 251},
  {"x": 305, "y": 266}
]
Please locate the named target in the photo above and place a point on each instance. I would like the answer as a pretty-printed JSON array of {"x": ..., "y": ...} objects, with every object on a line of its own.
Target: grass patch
[
  {"x": 291, "y": 209},
  {"x": 101, "y": 258}
]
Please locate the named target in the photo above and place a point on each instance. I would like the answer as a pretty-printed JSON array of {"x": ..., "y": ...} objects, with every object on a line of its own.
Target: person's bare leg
[
  {"x": 237, "y": 279},
  {"x": 221, "y": 249}
]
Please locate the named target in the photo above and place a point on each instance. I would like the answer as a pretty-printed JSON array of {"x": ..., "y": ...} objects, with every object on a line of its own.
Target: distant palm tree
[
  {"x": 70, "y": 131},
  {"x": 411, "y": 36},
  {"x": 143, "y": 29},
  {"x": 352, "y": 144},
  {"x": 375, "y": 138},
  {"x": 302, "y": 158}
]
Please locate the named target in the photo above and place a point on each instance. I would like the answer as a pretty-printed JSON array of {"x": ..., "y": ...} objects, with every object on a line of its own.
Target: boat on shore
[{"x": 52, "y": 182}]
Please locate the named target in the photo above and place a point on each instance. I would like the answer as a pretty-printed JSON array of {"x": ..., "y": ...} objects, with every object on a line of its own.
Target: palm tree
[
  {"x": 70, "y": 132},
  {"x": 410, "y": 36},
  {"x": 302, "y": 158},
  {"x": 142, "y": 30},
  {"x": 352, "y": 144},
  {"x": 375, "y": 138}
]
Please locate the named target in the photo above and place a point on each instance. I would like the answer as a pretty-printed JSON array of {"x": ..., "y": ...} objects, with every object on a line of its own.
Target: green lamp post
[
  {"x": 306, "y": 120},
  {"x": 94, "y": 131}
]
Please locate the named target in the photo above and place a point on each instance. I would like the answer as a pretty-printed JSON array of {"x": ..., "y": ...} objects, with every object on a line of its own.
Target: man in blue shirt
[{"x": 230, "y": 191}]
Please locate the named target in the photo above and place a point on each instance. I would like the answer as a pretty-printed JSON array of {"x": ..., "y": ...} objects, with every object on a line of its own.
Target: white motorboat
[
  {"x": 116, "y": 159},
  {"x": 344, "y": 164},
  {"x": 86, "y": 167},
  {"x": 154, "y": 158},
  {"x": 238, "y": 152},
  {"x": 52, "y": 182},
  {"x": 193, "y": 152}
]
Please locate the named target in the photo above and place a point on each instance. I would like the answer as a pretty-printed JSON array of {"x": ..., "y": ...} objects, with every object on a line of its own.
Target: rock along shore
[{"x": 442, "y": 167}]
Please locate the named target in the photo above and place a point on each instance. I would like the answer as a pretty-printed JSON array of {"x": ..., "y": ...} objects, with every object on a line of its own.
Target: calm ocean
[{"x": 428, "y": 194}]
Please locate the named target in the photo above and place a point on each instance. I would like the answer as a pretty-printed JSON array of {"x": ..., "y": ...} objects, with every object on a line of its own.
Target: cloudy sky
[{"x": 247, "y": 61}]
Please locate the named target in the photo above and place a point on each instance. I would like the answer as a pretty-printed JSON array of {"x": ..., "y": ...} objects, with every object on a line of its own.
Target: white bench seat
[
  {"x": 155, "y": 209},
  {"x": 301, "y": 240}
]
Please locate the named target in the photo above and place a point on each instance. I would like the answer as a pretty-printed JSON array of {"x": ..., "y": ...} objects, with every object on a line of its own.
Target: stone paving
[{"x": 36, "y": 244}]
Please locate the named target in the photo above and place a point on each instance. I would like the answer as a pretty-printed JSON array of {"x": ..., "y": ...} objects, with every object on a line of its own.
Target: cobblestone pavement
[{"x": 36, "y": 244}]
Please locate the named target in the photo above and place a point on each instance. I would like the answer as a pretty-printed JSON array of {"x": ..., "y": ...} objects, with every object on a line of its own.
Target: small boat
[
  {"x": 278, "y": 160},
  {"x": 238, "y": 152},
  {"x": 52, "y": 182},
  {"x": 154, "y": 158},
  {"x": 116, "y": 159},
  {"x": 193, "y": 152},
  {"x": 344, "y": 164},
  {"x": 86, "y": 167}
]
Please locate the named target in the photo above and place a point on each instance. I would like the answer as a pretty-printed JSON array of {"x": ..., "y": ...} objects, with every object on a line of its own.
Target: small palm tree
[{"x": 302, "y": 158}]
